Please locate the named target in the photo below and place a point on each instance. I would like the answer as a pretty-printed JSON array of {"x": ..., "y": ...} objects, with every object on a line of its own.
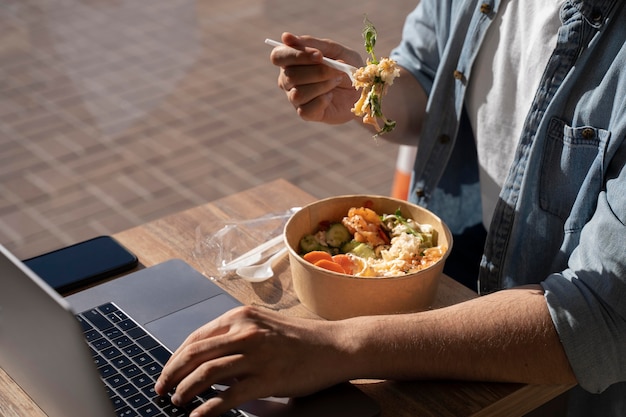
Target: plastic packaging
[{"x": 229, "y": 247}]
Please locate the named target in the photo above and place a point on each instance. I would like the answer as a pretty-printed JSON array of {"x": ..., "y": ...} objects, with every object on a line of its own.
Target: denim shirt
[{"x": 561, "y": 216}]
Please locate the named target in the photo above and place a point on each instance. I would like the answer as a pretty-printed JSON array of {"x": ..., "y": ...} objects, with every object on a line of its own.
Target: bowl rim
[{"x": 294, "y": 253}]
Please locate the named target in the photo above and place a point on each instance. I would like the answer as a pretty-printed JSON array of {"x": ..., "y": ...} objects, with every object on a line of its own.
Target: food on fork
[{"x": 374, "y": 79}]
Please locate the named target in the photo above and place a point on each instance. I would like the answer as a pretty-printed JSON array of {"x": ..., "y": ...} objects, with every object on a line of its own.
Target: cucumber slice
[
  {"x": 364, "y": 250},
  {"x": 349, "y": 247},
  {"x": 337, "y": 234},
  {"x": 309, "y": 243}
]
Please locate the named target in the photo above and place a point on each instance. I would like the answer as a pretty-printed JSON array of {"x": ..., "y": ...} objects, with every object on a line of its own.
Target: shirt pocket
[{"x": 572, "y": 172}]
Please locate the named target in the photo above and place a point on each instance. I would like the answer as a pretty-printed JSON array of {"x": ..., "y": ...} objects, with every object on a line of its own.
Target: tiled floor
[{"x": 114, "y": 113}]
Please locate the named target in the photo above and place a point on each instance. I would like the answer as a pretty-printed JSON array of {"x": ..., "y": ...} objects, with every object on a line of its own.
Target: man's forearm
[{"x": 506, "y": 336}]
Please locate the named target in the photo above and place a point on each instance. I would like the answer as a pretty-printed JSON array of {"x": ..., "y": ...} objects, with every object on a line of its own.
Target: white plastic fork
[
  {"x": 261, "y": 272},
  {"x": 341, "y": 66},
  {"x": 252, "y": 256}
]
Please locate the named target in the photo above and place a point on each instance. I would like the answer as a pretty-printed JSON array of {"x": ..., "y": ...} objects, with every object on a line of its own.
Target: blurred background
[{"x": 114, "y": 113}]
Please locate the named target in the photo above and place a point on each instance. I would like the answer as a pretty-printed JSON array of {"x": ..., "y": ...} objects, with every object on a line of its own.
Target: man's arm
[{"x": 505, "y": 336}]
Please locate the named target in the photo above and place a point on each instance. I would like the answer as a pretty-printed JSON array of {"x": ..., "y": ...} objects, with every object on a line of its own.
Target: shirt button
[
  {"x": 419, "y": 192},
  {"x": 458, "y": 75},
  {"x": 588, "y": 133},
  {"x": 485, "y": 8},
  {"x": 596, "y": 16}
]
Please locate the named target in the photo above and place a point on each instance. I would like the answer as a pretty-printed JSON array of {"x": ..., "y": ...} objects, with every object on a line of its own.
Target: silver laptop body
[{"x": 43, "y": 349}]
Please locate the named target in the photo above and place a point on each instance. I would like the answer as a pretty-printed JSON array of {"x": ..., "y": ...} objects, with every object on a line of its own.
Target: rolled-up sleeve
[{"x": 587, "y": 301}]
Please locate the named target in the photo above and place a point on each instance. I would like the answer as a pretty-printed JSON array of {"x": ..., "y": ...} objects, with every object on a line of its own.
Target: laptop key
[
  {"x": 149, "y": 411},
  {"x": 111, "y": 353},
  {"x": 132, "y": 350},
  {"x": 117, "y": 402},
  {"x": 173, "y": 411},
  {"x": 142, "y": 359},
  {"x": 97, "y": 319},
  {"x": 112, "y": 333},
  {"x": 84, "y": 323},
  {"x": 153, "y": 368},
  {"x": 116, "y": 381},
  {"x": 161, "y": 401},
  {"x": 117, "y": 316},
  {"x": 91, "y": 334},
  {"x": 121, "y": 362},
  {"x": 161, "y": 354},
  {"x": 170, "y": 409},
  {"x": 147, "y": 342},
  {"x": 107, "y": 308},
  {"x": 101, "y": 344},
  {"x": 132, "y": 371},
  {"x": 136, "y": 332},
  {"x": 109, "y": 391},
  {"x": 126, "y": 325},
  {"x": 126, "y": 412},
  {"x": 127, "y": 390},
  {"x": 98, "y": 360},
  {"x": 142, "y": 380},
  {"x": 137, "y": 400},
  {"x": 123, "y": 341},
  {"x": 149, "y": 392},
  {"x": 106, "y": 371}
]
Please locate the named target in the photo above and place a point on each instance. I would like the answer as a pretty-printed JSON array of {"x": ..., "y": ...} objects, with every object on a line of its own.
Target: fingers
[
  {"x": 187, "y": 355},
  {"x": 211, "y": 355},
  {"x": 301, "y": 61},
  {"x": 318, "y": 92},
  {"x": 311, "y": 99},
  {"x": 206, "y": 375},
  {"x": 262, "y": 352},
  {"x": 296, "y": 51},
  {"x": 327, "y": 47},
  {"x": 308, "y": 73},
  {"x": 228, "y": 399}
]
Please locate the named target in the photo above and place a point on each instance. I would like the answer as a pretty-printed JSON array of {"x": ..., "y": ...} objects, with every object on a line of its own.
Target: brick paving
[{"x": 114, "y": 113}]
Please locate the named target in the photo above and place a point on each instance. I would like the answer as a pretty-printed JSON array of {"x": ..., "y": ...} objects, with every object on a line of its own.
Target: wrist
[{"x": 363, "y": 351}]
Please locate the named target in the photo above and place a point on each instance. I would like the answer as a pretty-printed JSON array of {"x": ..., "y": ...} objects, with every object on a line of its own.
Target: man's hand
[
  {"x": 319, "y": 93},
  {"x": 258, "y": 353}
]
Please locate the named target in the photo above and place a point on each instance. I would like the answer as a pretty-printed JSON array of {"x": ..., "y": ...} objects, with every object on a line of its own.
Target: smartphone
[{"x": 83, "y": 263}]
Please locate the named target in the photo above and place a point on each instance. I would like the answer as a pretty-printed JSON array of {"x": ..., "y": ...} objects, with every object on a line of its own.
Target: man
[{"x": 518, "y": 112}]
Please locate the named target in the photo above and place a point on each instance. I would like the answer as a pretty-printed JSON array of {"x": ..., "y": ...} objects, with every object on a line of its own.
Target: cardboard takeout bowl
[{"x": 335, "y": 296}]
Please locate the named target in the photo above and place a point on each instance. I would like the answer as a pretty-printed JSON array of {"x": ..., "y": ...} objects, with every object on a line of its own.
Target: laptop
[{"x": 44, "y": 347}]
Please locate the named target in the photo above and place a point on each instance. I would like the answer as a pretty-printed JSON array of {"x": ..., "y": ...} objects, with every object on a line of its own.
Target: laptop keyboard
[{"x": 129, "y": 361}]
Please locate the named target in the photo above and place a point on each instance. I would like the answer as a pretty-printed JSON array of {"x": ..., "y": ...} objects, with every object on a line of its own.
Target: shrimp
[{"x": 366, "y": 226}]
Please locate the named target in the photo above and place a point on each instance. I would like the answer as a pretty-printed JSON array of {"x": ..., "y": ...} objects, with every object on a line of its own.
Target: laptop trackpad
[{"x": 174, "y": 328}]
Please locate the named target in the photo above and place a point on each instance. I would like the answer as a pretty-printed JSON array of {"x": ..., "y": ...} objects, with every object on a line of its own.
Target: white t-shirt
[{"x": 506, "y": 75}]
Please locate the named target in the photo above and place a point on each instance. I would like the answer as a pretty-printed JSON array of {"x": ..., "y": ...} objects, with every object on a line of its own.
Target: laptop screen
[{"x": 42, "y": 347}]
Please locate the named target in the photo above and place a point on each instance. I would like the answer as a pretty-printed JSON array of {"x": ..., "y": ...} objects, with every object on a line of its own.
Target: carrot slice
[
  {"x": 346, "y": 263},
  {"x": 317, "y": 255},
  {"x": 330, "y": 265}
]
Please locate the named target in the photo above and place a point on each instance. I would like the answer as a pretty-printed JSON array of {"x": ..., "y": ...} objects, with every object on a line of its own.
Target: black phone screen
[{"x": 86, "y": 262}]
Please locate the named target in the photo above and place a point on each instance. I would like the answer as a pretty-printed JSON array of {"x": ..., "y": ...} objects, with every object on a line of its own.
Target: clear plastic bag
[{"x": 226, "y": 249}]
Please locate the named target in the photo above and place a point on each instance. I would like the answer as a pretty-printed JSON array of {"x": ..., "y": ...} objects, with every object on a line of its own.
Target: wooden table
[{"x": 178, "y": 235}]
